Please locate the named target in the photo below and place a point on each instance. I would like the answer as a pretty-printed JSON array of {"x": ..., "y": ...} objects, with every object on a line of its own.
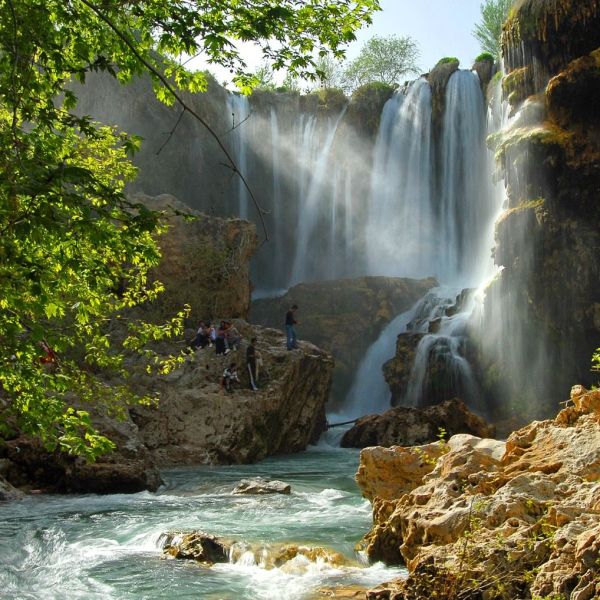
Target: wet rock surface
[
  {"x": 403, "y": 426},
  {"x": 546, "y": 240},
  {"x": 515, "y": 522},
  {"x": 197, "y": 546},
  {"x": 260, "y": 486}
]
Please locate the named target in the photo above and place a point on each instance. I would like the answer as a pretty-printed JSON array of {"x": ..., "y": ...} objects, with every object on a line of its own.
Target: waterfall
[
  {"x": 432, "y": 216},
  {"x": 277, "y": 212},
  {"x": 315, "y": 191},
  {"x": 400, "y": 221},
  {"x": 239, "y": 109},
  {"x": 370, "y": 393},
  {"x": 465, "y": 208},
  {"x": 440, "y": 368}
]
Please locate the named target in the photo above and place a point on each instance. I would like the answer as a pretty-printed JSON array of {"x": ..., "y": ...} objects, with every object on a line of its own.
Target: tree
[
  {"x": 383, "y": 59},
  {"x": 75, "y": 253},
  {"x": 264, "y": 77},
  {"x": 330, "y": 72},
  {"x": 489, "y": 31}
]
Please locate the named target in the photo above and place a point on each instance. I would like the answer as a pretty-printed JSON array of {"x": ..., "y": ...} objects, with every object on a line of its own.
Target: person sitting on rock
[
  {"x": 211, "y": 333},
  {"x": 232, "y": 335},
  {"x": 201, "y": 340},
  {"x": 230, "y": 377},
  {"x": 221, "y": 339}
]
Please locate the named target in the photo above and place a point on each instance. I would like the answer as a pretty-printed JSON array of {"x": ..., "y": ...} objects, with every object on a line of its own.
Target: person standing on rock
[
  {"x": 290, "y": 321},
  {"x": 252, "y": 357}
]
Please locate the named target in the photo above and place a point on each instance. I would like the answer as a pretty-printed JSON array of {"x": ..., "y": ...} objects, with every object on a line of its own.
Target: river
[{"x": 91, "y": 546}]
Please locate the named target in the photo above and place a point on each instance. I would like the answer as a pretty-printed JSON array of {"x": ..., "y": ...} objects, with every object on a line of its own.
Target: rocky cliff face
[
  {"x": 547, "y": 296},
  {"x": 481, "y": 518},
  {"x": 205, "y": 262},
  {"x": 343, "y": 316},
  {"x": 198, "y": 422}
]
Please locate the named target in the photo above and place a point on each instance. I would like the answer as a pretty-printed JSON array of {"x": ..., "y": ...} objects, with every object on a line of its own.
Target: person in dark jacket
[
  {"x": 290, "y": 332},
  {"x": 251, "y": 363}
]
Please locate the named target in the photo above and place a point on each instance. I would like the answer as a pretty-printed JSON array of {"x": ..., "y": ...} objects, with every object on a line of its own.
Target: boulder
[
  {"x": 8, "y": 492},
  {"x": 205, "y": 262},
  {"x": 197, "y": 546},
  {"x": 519, "y": 519},
  {"x": 343, "y": 316},
  {"x": 34, "y": 468},
  {"x": 259, "y": 486},
  {"x": 197, "y": 422},
  {"x": 403, "y": 426}
]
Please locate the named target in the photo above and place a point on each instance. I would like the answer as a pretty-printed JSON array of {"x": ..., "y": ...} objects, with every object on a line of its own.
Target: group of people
[{"x": 226, "y": 338}]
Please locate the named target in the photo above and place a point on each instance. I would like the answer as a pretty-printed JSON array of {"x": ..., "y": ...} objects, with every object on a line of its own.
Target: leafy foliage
[
  {"x": 74, "y": 251},
  {"x": 489, "y": 31},
  {"x": 485, "y": 56},
  {"x": 383, "y": 59},
  {"x": 448, "y": 59}
]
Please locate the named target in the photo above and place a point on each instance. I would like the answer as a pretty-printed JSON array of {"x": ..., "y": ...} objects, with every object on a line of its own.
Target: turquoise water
[{"x": 107, "y": 546}]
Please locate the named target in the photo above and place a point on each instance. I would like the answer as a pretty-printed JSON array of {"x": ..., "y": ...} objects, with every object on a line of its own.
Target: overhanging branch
[{"x": 186, "y": 108}]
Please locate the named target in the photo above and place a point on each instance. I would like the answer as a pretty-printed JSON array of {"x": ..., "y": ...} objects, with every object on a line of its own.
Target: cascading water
[
  {"x": 464, "y": 207},
  {"x": 319, "y": 187},
  {"x": 239, "y": 109},
  {"x": 370, "y": 393},
  {"x": 400, "y": 222},
  {"x": 429, "y": 217}
]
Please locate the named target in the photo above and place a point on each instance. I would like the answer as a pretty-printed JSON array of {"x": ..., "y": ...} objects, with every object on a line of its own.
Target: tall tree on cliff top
[
  {"x": 74, "y": 252},
  {"x": 383, "y": 59},
  {"x": 489, "y": 31}
]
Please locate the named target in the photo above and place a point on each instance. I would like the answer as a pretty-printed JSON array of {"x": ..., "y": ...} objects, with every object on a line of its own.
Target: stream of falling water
[{"x": 93, "y": 547}]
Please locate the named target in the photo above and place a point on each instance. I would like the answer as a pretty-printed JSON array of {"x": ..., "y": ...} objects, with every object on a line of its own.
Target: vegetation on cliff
[{"x": 74, "y": 251}]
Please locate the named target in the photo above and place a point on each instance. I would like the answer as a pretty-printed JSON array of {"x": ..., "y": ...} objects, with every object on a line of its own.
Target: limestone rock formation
[
  {"x": 260, "y": 486},
  {"x": 403, "y": 426},
  {"x": 197, "y": 546},
  {"x": 205, "y": 262},
  {"x": 344, "y": 316},
  {"x": 198, "y": 422},
  {"x": 517, "y": 522},
  {"x": 547, "y": 294}
]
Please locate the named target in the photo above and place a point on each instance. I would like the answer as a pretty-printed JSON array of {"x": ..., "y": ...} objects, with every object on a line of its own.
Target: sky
[{"x": 440, "y": 28}]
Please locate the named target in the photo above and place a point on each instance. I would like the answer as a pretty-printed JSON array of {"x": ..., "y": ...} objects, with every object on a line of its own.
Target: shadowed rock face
[
  {"x": 343, "y": 316},
  {"x": 403, "y": 426},
  {"x": 525, "y": 512},
  {"x": 548, "y": 293}
]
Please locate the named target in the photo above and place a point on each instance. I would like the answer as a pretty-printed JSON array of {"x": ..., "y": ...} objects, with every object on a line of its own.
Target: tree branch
[{"x": 186, "y": 108}]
